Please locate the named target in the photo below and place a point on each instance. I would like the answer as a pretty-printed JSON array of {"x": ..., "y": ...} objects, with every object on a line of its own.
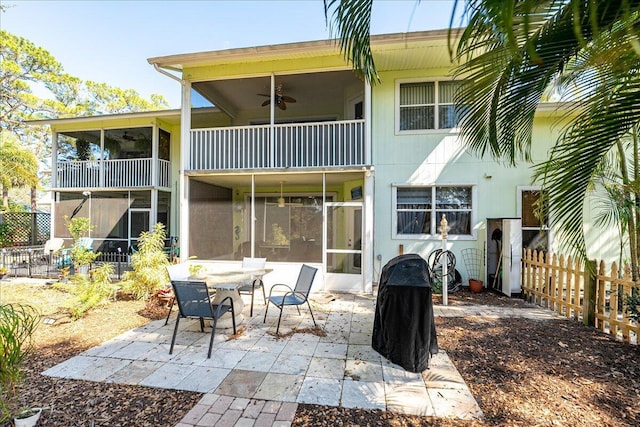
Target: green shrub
[
  {"x": 632, "y": 304},
  {"x": 79, "y": 228},
  {"x": 149, "y": 265},
  {"x": 17, "y": 324},
  {"x": 89, "y": 292}
]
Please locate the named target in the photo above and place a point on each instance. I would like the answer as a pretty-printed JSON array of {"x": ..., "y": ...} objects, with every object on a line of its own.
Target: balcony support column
[
  {"x": 54, "y": 181},
  {"x": 253, "y": 215},
  {"x": 367, "y": 238},
  {"x": 367, "y": 123},
  {"x": 101, "y": 168},
  {"x": 153, "y": 215},
  {"x": 154, "y": 156},
  {"x": 272, "y": 120},
  {"x": 185, "y": 150},
  {"x": 54, "y": 159}
]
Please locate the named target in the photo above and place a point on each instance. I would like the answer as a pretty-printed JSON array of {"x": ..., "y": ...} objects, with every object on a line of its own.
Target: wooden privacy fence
[{"x": 564, "y": 285}]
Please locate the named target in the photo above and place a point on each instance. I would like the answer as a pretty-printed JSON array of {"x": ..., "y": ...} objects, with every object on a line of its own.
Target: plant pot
[
  {"x": 83, "y": 269},
  {"x": 476, "y": 286},
  {"x": 31, "y": 420}
]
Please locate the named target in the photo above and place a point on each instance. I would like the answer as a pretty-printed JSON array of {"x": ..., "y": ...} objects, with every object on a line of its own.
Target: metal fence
[
  {"x": 24, "y": 228},
  {"x": 32, "y": 261}
]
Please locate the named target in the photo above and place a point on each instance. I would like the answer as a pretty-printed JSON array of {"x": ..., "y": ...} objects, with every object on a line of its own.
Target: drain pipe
[
  {"x": 183, "y": 183},
  {"x": 168, "y": 74}
]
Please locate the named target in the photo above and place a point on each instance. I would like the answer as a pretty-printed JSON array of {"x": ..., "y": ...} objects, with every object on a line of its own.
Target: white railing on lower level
[
  {"x": 123, "y": 173},
  {"x": 304, "y": 145}
]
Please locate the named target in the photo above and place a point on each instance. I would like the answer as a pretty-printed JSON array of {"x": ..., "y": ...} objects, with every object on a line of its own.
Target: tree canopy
[
  {"x": 34, "y": 85},
  {"x": 18, "y": 165}
]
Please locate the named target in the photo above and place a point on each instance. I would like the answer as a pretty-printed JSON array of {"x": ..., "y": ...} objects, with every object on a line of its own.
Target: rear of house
[{"x": 281, "y": 152}]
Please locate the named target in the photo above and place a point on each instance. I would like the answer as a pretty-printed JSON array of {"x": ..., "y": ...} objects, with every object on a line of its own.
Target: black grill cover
[{"x": 404, "y": 330}]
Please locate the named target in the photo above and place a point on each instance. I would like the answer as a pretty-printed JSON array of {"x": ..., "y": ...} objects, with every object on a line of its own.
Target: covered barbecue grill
[{"x": 403, "y": 330}]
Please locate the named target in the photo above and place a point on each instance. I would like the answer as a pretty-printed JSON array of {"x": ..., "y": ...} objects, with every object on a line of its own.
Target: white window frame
[
  {"x": 436, "y": 117},
  {"x": 545, "y": 227},
  {"x": 435, "y": 222}
]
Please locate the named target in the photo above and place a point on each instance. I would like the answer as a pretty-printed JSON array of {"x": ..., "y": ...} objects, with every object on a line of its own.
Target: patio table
[{"x": 226, "y": 284}]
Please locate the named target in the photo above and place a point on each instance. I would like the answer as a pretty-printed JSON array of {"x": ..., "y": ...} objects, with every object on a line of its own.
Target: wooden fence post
[{"x": 589, "y": 302}]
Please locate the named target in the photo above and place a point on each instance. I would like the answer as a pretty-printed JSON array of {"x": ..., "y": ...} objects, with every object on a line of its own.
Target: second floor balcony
[
  {"x": 302, "y": 145},
  {"x": 130, "y": 157},
  {"x": 125, "y": 173}
]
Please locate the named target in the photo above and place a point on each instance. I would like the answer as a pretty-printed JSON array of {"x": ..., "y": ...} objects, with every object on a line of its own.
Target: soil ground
[{"x": 521, "y": 372}]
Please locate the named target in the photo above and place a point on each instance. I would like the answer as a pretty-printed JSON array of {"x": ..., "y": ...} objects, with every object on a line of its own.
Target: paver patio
[{"x": 258, "y": 379}]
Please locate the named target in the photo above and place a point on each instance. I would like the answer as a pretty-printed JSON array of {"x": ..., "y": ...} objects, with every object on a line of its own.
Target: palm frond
[
  {"x": 350, "y": 21},
  {"x": 610, "y": 112},
  {"x": 509, "y": 63}
]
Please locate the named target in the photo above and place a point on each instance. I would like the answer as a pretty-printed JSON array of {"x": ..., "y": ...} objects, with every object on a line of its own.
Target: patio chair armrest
[
  {"x": 218, "y": 307},
  {"x": 283, "y": 296},
  {"x": 290, "y": 290},
  {"x": 300, "y": 294}
]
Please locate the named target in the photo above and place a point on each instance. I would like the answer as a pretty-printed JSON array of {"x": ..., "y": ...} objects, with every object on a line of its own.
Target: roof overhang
[
  {"x": 170, "y": 116},
  {"x": 381, "y": 45},
  {"x": 165, "y": 114}
]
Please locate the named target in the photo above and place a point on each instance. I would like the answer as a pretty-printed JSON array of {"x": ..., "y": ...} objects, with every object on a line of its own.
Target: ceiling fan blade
[
  {"x": 267, "y": 102},
  {"x": 282, "y": 105},
  {"x": 262, "y": 94},
  {"x": 288, "y": 98}
]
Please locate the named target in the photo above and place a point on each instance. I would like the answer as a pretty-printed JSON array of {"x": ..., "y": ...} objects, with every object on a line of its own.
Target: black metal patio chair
[
  {"x": 296, "y": 296},
  {"x": 194, "y": 301},
  {"x": 176, "y": 272}
]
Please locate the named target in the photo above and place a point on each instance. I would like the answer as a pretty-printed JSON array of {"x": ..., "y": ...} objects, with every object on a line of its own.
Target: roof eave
[{"x": 329, "y": 46}]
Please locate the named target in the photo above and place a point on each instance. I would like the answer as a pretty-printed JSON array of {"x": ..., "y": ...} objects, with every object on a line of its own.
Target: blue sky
[{"x": 110, "y": 41}]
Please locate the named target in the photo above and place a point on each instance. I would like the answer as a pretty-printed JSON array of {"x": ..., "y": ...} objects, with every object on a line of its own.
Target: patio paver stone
[{"x": 258, "y": 379}]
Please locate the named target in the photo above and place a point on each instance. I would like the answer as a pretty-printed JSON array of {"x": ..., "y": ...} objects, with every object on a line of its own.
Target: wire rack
[{"x": 472, "y": 259}]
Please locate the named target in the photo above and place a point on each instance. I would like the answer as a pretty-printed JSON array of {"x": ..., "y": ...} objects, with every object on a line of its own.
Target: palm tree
[
  {"x": 511, "y": 52},
  {"x": 18, "y": 166}
]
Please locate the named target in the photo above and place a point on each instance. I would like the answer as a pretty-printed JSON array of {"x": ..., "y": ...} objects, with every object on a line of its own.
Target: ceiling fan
[
  {"x": 280, "y": 98},
  {"x": 128, "y": 137}
]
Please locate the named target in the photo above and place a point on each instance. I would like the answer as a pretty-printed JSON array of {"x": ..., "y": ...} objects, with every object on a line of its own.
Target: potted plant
[
  {"x": 28, "y": 417},
  {"x": 4, "y": 272},
  {"x": 82, "y": 258},
  {"x": 17, "y": 325},
  {"x": 195, "y": 270},
  {"x": 472, "y": 258}
]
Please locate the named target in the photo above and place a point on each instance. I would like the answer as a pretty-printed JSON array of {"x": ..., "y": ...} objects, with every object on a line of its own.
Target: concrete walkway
[{"x": 258, "y": 380}]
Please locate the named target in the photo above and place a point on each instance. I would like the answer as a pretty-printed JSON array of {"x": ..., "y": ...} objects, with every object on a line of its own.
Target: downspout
[
  {"x": 183, "y": 188},
  {"x": 369, "y": 190},
  {"x": 168, "y": 74}
]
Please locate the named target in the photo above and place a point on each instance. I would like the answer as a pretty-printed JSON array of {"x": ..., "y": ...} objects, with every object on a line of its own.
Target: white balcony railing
[
  {"x": 164, "y": 173},
  {"x": 305, "y": 145},
  {"x": 124, "y": 173}
]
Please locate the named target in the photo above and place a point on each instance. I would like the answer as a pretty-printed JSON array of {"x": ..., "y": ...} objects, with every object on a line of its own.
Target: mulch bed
[{"x": 522, "y": 373}]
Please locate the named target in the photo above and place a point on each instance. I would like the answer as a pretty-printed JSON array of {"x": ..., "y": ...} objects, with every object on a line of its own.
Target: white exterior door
[
  {"x": 511, "y": 256},
  {"x": 343, "y": 252}
]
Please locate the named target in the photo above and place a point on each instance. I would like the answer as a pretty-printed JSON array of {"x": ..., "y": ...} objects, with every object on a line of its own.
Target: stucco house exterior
[{"x": 282, "y": 152}]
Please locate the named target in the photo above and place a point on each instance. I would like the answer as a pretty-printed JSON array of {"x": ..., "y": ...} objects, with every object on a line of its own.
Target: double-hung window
[
  {"x": 426, "y": 105},
  {"x": 419, "y": 209}
]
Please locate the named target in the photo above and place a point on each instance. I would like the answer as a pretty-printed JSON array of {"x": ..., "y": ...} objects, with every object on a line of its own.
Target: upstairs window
[{"x": 427, "y": 105}]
